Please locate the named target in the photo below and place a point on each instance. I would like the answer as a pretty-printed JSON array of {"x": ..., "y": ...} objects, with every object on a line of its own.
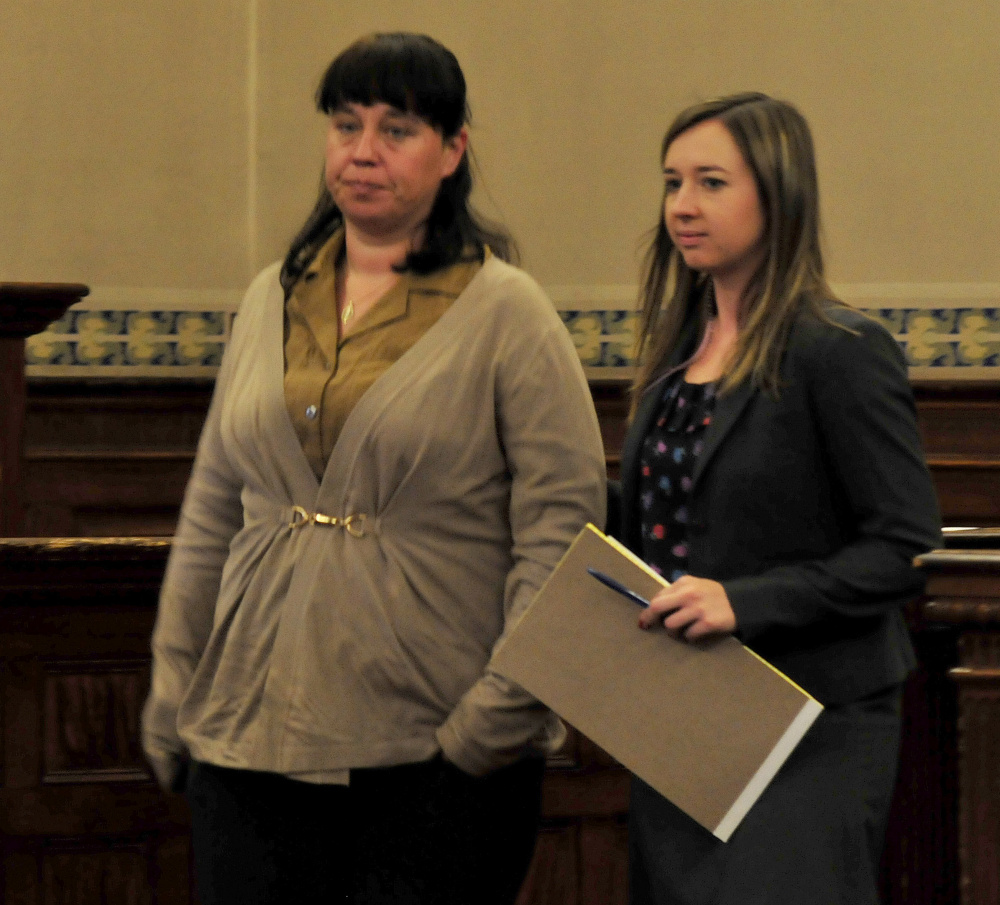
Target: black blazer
[{"x": 810, "y": 508}]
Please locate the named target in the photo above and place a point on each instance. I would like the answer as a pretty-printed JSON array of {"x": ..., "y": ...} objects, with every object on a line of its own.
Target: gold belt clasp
[
  {"x": 299, "y": 517},
  {"x": 353, "y": 524}
]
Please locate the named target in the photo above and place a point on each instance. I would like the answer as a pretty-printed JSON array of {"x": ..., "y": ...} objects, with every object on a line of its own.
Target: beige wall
[{"x": 173, "y": 145}]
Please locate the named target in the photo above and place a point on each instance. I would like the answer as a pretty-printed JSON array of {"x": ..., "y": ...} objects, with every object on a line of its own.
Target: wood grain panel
[
  {"x": 958, "y": 427},
  {"x": 106, "y": 459},
  {"x": 25, "y": 309},
  {"x": 171, "y": 874},
  {"x": 554, "y": 875},
  {"x": 968, "y": 492},
  {"x": 90, "y": 810},
  {"x": 964, "y": 597},
  {"x": 979, "y": 692},
  {"x": 19, "y": 877},
  {"x": 80, "y": 819},
  {"x": 109, "y": 459},
  {"x": 604, "y": 862},
  {"x": 117, "y": 875},
  {"x": 920, "y": 860},
  {"x": 22, "y": 721},
  {"x": 959, "y": 420},
  {"x": 11, "y": 430},
  {"x": 112, "y": 494},
  {"x": 980, "y": 810},
  {"x": 91, "y": 721}
]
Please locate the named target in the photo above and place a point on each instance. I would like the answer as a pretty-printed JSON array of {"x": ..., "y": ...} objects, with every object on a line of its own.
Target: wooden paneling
[
  {"x": 579, "y": 863},
  {"x": 109, "y": 460},
  {"x": 90, "y": 721},
  {"x": 964, "y": 596},
  {"x": 112, "y": 459},
  {"x": 604, "y": 862},
  {"x": 554, "y": 876},
  {"x": 920, "y": 859},
  {"x": 82, "y": 875},
  {"x": 25, "y": 309},
  {"x": 81, "y": 820},
  {"x": 958, "y": 424}
]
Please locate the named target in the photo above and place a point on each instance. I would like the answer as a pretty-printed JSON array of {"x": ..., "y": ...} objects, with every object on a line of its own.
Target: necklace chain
[{"x": 348, "y": 309}]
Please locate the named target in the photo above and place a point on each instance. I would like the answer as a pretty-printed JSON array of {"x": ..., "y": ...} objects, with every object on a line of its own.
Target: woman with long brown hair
[{"x": 773, "y": 474}]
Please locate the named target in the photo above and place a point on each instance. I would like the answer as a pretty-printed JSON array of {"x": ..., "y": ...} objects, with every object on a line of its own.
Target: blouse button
[{"x": 310, "y": 412}]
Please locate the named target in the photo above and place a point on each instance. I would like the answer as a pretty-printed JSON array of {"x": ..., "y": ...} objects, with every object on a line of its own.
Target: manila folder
[{"x": 706, "y": 724}]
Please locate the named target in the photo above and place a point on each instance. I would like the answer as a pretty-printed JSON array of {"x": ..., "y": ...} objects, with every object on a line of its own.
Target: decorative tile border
[
  {"x": 126, "y": 333},
  {"x": 948, "y": 331},
  {"x": 602, "y": 321}
]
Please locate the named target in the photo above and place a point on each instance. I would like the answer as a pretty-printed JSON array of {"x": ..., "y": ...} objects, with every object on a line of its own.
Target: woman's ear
[{"x": 454, "y": 147}]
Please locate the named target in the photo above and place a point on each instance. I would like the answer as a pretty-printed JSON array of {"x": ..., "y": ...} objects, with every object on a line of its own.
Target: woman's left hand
[{"x": 691, "y": 608}]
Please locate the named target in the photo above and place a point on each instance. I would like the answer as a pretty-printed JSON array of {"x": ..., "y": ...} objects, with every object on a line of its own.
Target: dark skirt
[{"x": 813, "y": 838}]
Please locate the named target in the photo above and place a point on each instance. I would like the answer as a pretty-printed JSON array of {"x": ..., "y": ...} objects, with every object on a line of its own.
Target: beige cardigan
[{"x": 288, "y": 642}]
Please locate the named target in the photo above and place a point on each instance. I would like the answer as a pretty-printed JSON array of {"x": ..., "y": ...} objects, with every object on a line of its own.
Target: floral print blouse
[{"x": 669, "y": 454}]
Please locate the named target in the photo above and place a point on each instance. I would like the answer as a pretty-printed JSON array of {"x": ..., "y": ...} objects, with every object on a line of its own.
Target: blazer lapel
[
  {"x": 728, "y": 409},
  {"x": 637, "y": 431}
]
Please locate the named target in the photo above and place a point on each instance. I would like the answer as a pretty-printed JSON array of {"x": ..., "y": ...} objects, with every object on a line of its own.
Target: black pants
[{"x": 417, "y": 834}]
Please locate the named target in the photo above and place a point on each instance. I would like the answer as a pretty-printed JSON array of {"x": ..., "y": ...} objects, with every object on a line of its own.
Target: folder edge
[
  {"x": 769, "y": 664},
  {"x": 629, "y": 555},
  {"x": 767, "y": 770}
]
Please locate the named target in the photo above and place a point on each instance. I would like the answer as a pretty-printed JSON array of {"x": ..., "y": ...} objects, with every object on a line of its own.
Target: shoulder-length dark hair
[
  {"x": 418, "y": 75},
  {"x": 775, "y": 141}
]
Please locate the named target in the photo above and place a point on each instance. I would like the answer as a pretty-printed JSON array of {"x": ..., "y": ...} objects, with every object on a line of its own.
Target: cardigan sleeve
[
  {"x": 210, "y": 516},
  {"x": 866, "y": 421},
  {"x": 549, "y": 432}
]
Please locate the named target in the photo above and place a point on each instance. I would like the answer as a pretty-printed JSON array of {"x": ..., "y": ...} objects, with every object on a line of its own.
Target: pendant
[{"x": 347, "y": 313}]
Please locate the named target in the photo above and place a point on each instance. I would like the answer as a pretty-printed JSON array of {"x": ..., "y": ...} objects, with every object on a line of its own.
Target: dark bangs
[{"x": 411, "y": 72}]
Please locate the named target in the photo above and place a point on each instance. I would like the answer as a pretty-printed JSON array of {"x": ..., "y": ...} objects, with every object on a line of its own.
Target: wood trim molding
[
  {"x": 28, "y": 308},
  {"x": 25, "y": 309}
]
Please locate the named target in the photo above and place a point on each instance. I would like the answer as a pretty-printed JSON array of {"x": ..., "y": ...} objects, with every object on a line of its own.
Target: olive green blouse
[{"x": 325, "y": 375}]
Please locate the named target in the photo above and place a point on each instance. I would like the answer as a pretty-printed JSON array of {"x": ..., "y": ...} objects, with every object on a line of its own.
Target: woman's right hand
[{"x": 691, "y": 608}]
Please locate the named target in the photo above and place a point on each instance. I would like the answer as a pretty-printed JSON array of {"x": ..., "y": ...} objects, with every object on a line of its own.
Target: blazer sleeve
[
  {"x": 552, "y": 443},
  {"x": 863, "y": 408}
]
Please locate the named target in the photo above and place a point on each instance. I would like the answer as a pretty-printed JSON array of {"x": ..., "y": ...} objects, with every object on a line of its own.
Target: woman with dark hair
[
  {"x": 400, "y": 447},
  {"x": 773, "y": 473}
]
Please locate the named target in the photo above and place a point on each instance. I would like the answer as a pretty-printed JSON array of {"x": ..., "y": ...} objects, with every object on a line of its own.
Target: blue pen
[{"x": 619, "y": 587}]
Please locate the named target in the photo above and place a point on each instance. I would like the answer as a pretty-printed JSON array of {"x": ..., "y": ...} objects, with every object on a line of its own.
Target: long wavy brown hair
[{"x": 775, "y": 141}]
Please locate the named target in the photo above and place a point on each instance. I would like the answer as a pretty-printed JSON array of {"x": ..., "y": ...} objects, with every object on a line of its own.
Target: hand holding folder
[{"x": 706, "y": 724}]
